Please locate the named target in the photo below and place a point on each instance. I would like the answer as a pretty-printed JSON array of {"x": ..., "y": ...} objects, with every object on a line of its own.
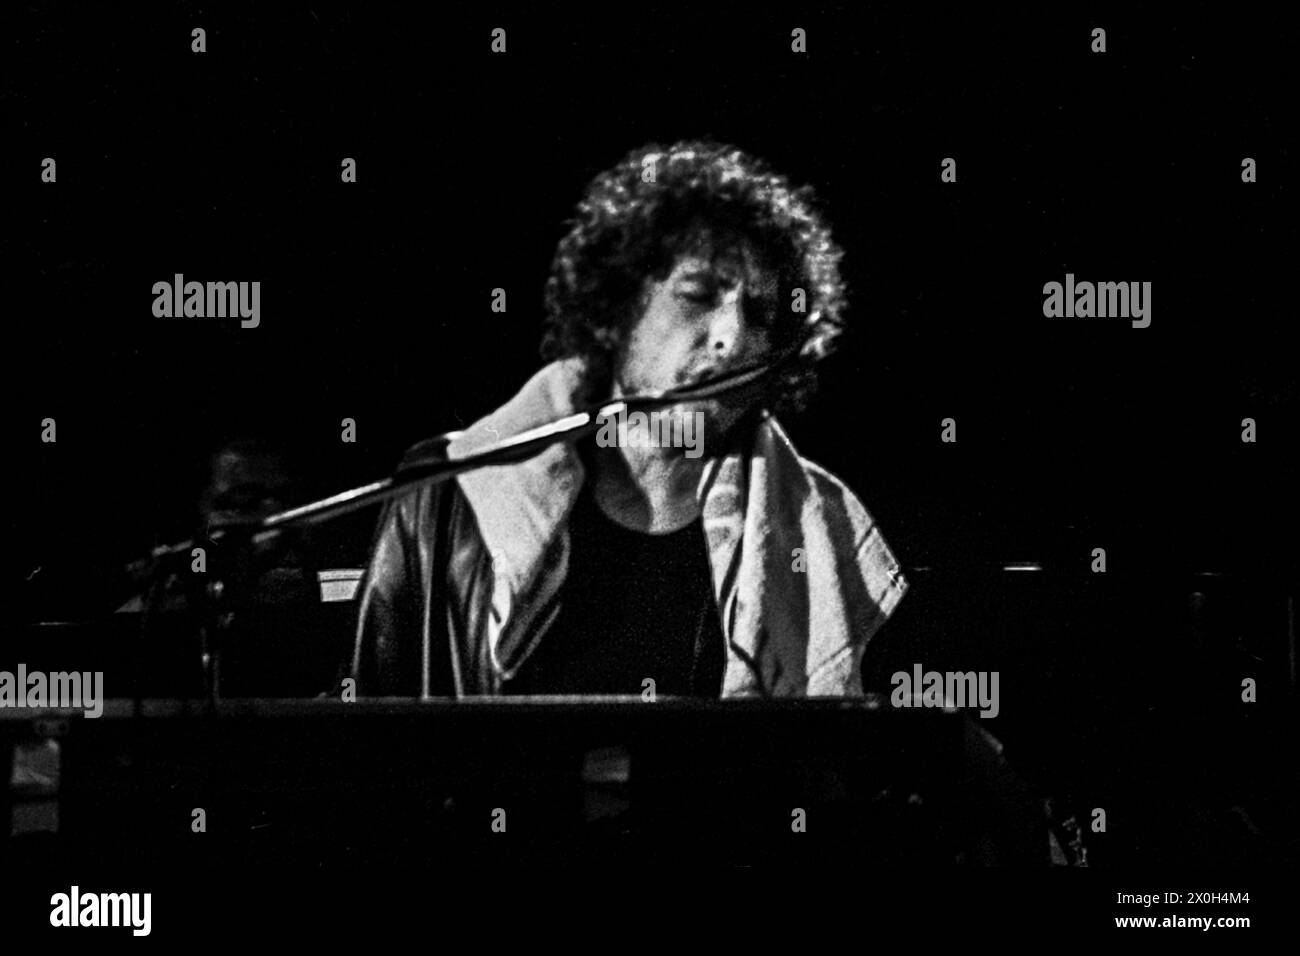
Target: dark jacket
[{"x": 414, "y": 638}]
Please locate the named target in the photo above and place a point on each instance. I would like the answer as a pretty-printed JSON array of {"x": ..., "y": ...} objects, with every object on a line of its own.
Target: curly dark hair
[{"x": 626, "y": 229}]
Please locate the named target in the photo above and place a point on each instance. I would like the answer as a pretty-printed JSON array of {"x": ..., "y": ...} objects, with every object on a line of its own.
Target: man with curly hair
[{"x": 627, "y": 563}]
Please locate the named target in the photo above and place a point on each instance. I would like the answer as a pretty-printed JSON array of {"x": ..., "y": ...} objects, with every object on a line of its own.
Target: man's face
[
  {"x": 711, "y": 315},
  {"x": 243, "y": 485}
]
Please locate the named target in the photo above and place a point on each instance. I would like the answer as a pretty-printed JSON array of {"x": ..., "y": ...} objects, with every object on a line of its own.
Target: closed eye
[{"x": 701, "y": 293}]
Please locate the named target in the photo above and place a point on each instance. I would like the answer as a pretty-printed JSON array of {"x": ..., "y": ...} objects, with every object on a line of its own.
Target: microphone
[{"x": 712, "y": 386}]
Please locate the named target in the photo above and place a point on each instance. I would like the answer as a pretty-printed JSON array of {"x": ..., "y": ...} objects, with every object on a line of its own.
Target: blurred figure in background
[{"x": 264, "y": 618}]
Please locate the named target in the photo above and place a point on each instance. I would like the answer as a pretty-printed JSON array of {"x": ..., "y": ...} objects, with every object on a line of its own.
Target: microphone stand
[{"x": 250, "y": 534}]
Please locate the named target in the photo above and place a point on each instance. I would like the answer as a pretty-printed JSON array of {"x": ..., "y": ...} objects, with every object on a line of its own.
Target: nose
[{"x": 726, "y": 325}]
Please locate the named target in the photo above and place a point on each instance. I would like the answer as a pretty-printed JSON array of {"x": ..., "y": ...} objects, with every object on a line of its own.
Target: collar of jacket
[{"x": 802, "y": 576}]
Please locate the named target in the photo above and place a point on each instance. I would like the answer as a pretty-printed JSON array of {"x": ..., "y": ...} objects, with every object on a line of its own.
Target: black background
[
  {"x": 1072, "y": 434},
  {"x": 225, "y": 165}
]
